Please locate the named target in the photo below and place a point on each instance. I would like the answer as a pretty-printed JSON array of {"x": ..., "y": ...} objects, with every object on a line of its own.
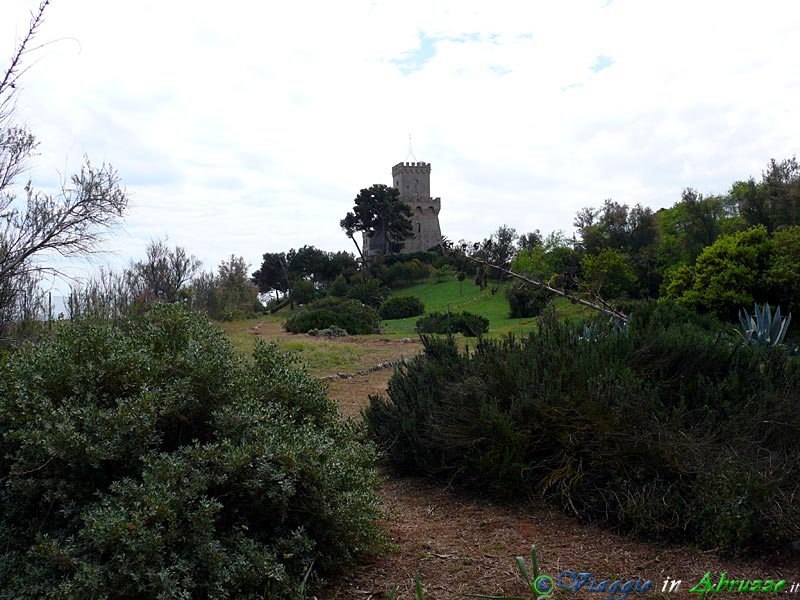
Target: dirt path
[
  {"x": 353, "y": 393},
  {"x": 461, "y": 545},
  {"x": 465, "y": 545}
]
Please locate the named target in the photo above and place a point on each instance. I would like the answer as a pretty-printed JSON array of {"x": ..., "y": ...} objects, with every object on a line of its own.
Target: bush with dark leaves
[{"x": 667, "y": 428}]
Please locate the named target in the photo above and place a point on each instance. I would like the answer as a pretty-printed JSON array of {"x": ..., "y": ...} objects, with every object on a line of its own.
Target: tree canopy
[{"x": 382, "y": 216}]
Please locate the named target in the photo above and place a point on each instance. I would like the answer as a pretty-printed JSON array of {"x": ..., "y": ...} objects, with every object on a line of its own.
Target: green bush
[
  {"x": 147, "y": 460},
  {"x": 669, "y": 428},
  {"x": 526, "y": 301},
  {"x": 345, "y": 313},
  {"x": 429, "y": 257},
  {"x": 303, "y": 291},
  {"x": 401, "y": 307},
  {"x": 405, "y": 273},
  {"x": 339, "y": 287},
  {"x": 471, "y": 325},
  {"x": 324, "y": 319},
  {"x": 370, "y": 292}
]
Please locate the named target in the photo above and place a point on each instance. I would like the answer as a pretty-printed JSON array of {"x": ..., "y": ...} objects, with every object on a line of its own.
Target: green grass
[
  {"x": 238, "y": 333},
  {"x": 470, "y": 298},
  {"x": 319, "y": 355},
  {"x": 321, "y": 358}
]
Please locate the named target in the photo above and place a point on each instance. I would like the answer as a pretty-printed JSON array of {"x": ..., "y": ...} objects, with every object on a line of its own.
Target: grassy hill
[{"x": 469, "y": 297}]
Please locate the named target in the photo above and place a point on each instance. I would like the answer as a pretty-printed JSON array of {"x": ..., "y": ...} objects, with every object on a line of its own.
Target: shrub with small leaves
[
  {"x": 344, "y": 313},
  {"x": 526, "y": 301},
  {"x": 147, "y": 460},
  {"x": 331, "y": 332},
  {"x": 401, "y": 307},
  {"x": 471, "y": 325}
]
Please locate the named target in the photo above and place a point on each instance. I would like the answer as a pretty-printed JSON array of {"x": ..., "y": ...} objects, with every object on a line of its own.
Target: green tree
[
  {"x": 305, "y": 263},
  {"x": 273, "y": 275},
  {"x": 783, "y": 274},
  {"x": 321, "y": 267},
  {"x": 500, "y": 248},
  {"x": 616, "y": 226},
  {"x": 382, "y": 216},
  {"x": 461, "y": 276},
  {"x": 530, "y": 240},
  {"x": 339, "y": 287},
  {"x": 227, "y": 294},
  {"x": 692, "y": 224},
  {"x": 775, "y": 201},
  {"x": 240, "y": 296},
  {"x": 728, "y": 274},
  {"x": 336, "y": 264},
  {"x": 608, "y": 273},
  {"x": 554, "y": 261},
  {"x": 303, "y": 292},
  {"x": 164, "y": 272}
]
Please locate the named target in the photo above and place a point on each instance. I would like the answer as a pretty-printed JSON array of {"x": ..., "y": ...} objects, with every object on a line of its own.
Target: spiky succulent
[{"x": 763, "y": 328}]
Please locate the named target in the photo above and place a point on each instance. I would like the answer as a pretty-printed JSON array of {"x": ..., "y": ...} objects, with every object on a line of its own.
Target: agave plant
[
  {"x": 763, "y": 328},
  {"x": 592, "y": 331}
]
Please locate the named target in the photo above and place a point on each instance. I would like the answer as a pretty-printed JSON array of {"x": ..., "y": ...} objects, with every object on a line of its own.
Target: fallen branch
[{"x": 600, "y": 305}]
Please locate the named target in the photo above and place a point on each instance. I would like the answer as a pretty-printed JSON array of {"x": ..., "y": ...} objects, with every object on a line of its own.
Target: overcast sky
[{"x": 246, "y": 127}]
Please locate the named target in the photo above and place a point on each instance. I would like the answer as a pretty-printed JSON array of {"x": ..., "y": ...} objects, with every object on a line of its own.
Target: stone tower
[{"x": 413, "y": 179}]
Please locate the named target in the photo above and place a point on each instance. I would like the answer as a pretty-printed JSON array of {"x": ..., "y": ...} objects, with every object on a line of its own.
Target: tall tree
[
  {"x": 306, "y": 262},
  {"x": 382, "y": 216},
  {"x": 499, "y": 248},
  {"x": 775, "y": 201},
  {"x": 530, "y": 240},
  {"x": 164, "y": 272},
  {"x": 273, "y": 275}
]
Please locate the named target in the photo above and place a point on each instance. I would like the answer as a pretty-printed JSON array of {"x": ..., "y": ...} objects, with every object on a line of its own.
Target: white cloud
[{"x": 244, "y": 128}]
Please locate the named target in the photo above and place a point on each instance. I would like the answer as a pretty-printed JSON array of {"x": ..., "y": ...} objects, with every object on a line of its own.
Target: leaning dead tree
[{"x": 597, "y": 303}]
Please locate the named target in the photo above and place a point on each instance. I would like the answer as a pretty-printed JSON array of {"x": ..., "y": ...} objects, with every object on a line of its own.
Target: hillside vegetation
[{"x": 669, "y": 428}]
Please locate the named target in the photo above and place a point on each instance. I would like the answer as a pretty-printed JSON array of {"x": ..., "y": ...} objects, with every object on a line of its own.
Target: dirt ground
[
  {"x": 353, "y": 393},
  {"x": 460, "y": 544}
]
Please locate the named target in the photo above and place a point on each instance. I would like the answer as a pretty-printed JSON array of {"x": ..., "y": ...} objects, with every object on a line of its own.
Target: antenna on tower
[{"x": 410, "y": 154}]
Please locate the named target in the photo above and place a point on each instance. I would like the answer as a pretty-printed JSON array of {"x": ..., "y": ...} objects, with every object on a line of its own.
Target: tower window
[{"x": 419, "y": 227}]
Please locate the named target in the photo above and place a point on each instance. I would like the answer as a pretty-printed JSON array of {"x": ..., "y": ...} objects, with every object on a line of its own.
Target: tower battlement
[{"x": 411, "y": 167}]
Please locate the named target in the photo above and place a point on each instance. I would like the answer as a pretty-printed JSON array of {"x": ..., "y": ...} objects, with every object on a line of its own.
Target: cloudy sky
[{"x": 246, "y": 127}]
